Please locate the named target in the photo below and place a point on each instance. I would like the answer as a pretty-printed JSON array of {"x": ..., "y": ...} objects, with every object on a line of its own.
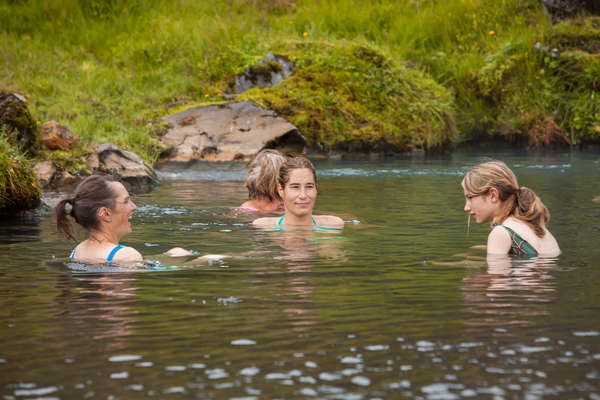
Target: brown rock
[
  {"x": 227, "y": 132},
  {"x": 57, "y": 137},
  {"x": 45, "y": 171}
]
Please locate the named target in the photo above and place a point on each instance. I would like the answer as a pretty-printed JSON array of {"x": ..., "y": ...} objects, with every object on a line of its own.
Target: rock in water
[{"x": 227, "y": 132}]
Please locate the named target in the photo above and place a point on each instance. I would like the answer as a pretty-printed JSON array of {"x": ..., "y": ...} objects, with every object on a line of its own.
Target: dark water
[{"x": 398, "y": 305}]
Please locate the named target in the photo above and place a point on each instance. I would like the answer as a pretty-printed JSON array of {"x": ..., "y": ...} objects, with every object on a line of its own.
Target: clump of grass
[{"x": 19, "y": 189}]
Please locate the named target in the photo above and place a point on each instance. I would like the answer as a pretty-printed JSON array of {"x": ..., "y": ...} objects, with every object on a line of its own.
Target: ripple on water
[
  {"x": 243, "y": 342},
  {"x": 124, "y": 357},
  {"x": 36, "y": 392}
]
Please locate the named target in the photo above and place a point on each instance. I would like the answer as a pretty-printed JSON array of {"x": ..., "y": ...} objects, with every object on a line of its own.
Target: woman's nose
[{"x": 467, "y": 208}]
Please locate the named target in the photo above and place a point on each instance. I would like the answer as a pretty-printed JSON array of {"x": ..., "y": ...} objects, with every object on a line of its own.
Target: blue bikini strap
[
  {"x": 73, "y": 254},
  {"x": 113, "y": 252}
]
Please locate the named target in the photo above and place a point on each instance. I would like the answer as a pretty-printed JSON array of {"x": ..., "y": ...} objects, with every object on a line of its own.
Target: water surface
[{"x": 399, "y": 304}]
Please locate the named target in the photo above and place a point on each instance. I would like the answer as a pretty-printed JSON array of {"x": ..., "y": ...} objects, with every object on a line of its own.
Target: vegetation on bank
[
  {"x": 19, "y": 188},
  {"x": 109, "y": 70},
  {"x": 353, "y": 97}
]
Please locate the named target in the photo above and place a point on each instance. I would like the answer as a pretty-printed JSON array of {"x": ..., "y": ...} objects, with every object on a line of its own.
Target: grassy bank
[{"x": 108, "y": 70}]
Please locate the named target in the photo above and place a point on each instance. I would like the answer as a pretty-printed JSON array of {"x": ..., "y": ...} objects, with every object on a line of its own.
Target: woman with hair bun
[
  {"x": 517, "y": 215},
  {"x": 261, "y": 183},
  {"x": 102, "y": 206}
]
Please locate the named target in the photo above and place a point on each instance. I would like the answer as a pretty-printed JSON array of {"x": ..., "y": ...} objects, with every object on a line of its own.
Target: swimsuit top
[
  {"x": 315, "y": 228},
  {"x": 111, "y": 255},
  {"x": 519, "y": 247}
]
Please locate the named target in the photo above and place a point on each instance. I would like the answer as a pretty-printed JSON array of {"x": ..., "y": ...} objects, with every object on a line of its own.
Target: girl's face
[
  {"x": 299, "y": 193},
  {"x": 481, "y": 207}
]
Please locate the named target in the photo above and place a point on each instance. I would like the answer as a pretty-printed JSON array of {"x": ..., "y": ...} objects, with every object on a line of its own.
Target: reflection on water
[
  {"x": 510, "y": 292},
  {"x": 397, "y": 306}
]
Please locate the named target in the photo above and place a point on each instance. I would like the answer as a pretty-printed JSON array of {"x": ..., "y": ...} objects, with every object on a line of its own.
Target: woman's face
[
  {"x": 481, "y": 207},
  {"x": 123, "y": 210},
  {"x": 299, "y": 193}
]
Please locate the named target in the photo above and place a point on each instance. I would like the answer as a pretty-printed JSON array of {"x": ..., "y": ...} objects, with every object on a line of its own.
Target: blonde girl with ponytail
[{"x": 516, "y": 214}]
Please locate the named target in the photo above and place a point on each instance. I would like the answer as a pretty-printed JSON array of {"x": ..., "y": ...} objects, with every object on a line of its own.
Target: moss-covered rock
[
  {"x": 355, "y": 97},
  {"x": 16, "y": 120},
  {"x": 19, "y": 189}
]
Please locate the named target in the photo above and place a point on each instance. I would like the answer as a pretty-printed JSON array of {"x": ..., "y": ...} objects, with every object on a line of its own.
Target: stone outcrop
[
  {"x": 57, "y": 137},
  {"x": 45, "y": 172},
  {"x": 561, "y": 9},
  {"x": 227, "y": 132},
  {"x": 270, "y": 70},
  {"x": 16, "y": 119},
  {"x": 109, "y": 158},
  {"x": 51, "y": 177}
]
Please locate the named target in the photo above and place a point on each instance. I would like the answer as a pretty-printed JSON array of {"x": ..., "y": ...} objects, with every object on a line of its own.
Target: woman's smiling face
[
  {"x": 299, "y": 193},
  {"x": 123, "y": 210}
]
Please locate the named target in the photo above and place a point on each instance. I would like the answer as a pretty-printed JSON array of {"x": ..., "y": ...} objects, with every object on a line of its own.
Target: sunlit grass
[{"x": 109, "y": 69}]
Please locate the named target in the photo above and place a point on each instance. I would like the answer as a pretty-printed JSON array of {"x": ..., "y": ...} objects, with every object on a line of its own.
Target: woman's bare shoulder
[
  {"x": 332, "y": 221},
  {"x": 265, "y": 222},
  {"x": 128, "y": 254}
]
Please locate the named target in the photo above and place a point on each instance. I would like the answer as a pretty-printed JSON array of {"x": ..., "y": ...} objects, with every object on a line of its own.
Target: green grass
[
  {"x": 109, "y": 70},
  {"x": 18, "y": 188}
]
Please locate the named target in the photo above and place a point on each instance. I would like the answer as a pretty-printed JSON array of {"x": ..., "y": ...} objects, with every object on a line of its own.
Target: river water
[{"x": 397, "y": 305}]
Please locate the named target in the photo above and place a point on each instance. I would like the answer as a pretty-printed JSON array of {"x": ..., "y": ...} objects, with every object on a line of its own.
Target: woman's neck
[{"x": 100, "y": 237}]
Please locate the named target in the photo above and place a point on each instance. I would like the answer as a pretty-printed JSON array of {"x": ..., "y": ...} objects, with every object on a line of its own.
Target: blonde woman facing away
[
  {"x": 102, "y": 206},
  {"x": 263, "y": 172},
  {"x": 298, "y": 191},
  {"x": 517, "y": 216}
]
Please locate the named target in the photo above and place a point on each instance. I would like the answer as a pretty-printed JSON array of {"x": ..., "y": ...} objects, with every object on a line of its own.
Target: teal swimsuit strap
[
  {"x": 281, "y": 220},
  {"x": 316, "y": 227}
]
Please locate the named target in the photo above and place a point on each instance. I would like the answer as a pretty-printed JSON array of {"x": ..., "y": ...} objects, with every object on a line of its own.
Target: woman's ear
[
  {"x": 280, "y": 190},
  {"x": 104, "y": 214}
]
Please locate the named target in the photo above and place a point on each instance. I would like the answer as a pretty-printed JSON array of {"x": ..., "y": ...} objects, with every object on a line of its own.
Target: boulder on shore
[
  {"x": 111, "y": 159},
  {"x": 227, "y": 132}
]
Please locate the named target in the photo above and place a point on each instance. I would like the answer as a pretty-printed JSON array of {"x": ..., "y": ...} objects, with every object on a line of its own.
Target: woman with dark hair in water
[
  {"x": 102, "y": 206},
  {"x": 297, "y": 187}
]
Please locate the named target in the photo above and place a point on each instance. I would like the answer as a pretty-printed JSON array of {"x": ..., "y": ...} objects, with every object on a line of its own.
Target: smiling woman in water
[
  {"x": 298, "y": 190},
  {"x": 102, "y": 206}
]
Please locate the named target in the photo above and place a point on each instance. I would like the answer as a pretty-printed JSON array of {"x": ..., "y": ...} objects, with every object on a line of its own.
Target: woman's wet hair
[
  {"x": 90, "y": 195},
  {"x": 295, "y": 163},
  {"x": 519, "y": 202},
  {"x": 263, "y": 172}
]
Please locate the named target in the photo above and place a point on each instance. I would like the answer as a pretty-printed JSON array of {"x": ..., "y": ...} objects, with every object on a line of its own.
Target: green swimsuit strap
[
  {"x": 283, "y": 216},
  {"x": 519, "y": 246}
]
